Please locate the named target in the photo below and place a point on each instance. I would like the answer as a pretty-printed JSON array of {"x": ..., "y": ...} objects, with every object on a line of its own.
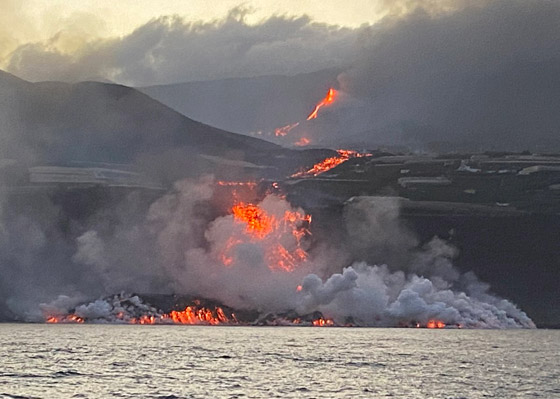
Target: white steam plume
[{"x": 420, "y": 286}]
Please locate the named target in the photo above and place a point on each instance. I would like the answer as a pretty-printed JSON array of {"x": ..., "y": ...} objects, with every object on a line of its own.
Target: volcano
[{"x": 91, "y": 123}]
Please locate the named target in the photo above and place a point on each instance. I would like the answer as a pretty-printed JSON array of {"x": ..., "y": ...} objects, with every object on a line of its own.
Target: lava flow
[
  {"x": 284, "y": 130},
  {"x": 329, "y": 99},
  {"x": 72, "y": 318},
  {"x": 323, "y": 322},
  {"x": 303, "y": 141},
  {"x": 280, "y": 236},
  {"x": 259, "y": 223},
  {"x": 192, "y": 315},
  {"x": 329, "y": 163},
  {"x": 435, "y": 324}
]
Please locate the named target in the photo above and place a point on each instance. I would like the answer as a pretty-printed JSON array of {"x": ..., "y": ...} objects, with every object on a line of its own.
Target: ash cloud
[
  {"x": 434, "y": 75},
  {"x": 170, "y": 50},
  {"x": 480, "y": 78}
]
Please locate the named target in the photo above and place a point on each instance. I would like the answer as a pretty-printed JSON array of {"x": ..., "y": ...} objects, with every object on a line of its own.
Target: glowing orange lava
[
  {"x": 194, "y": 315},
  {"x": 302, "y": 142},
  {"x": 191, "y": 315},
  {"x": 259, "y": 223},
  {"x": 284, "y": 130},
  {"x": 330, "y": 163},
  {"x": 323, "y": 322},
  {"x": 71, "y": 318},
  {"x": 329, "y": 99},
  {"x": 435, "y": 324},
  {"x": 272, "y": 231}
]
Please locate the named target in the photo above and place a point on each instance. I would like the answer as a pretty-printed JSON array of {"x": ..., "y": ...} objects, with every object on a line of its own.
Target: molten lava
[
  {"x": 330, "y": 163},
  {"x": 435, "y": 324},
  {"x": 192, "y": 315},
  {"x": 302, "y": 142},
  {"x": 284, "y": 130},
  {"x": 321, "y": 322},
  {"x": 281, "y": 236},
  {"x": 259, "y": 223},
  {"x": 71, "y": 318},
  {"x": 329, "y": 99}
]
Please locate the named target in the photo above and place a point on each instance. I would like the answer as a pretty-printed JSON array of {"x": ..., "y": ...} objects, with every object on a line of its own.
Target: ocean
[{"x": 132, "y": 361}]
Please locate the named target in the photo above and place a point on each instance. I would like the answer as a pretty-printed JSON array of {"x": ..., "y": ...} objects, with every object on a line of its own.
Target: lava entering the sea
[
  {"x": 321, "y": 322},
  {"x": 435, "y": 324},
  {"x": 192, "y": 315}
]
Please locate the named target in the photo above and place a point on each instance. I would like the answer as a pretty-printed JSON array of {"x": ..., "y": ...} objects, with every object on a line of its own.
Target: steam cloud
[
  {"x": 175, "y": 247},
  {"x": 422, "y": 77}
]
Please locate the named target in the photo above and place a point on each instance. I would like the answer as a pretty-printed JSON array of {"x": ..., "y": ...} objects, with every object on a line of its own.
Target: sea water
[{"x": 132, "y": 361}]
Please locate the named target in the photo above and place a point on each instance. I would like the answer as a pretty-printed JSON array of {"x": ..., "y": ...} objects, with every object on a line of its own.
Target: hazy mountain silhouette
[
  {"x": 60, "y": 123},
  {"x": 247, "y": 105}
]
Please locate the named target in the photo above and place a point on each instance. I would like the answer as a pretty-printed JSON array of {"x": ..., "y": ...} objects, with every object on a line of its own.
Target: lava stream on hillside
[{"x": 330, "y": 163}]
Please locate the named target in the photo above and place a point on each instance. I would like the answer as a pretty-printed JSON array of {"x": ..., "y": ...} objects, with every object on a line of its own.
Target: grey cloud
[
  {"x": 483, "y": 77},
  {"x": 169, "y": 50}
]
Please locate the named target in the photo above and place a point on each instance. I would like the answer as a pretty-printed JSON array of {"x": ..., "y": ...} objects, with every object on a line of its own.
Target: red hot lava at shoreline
[
  {"x": 435, "y": 324},
  {"x": 192, "y": 315}
]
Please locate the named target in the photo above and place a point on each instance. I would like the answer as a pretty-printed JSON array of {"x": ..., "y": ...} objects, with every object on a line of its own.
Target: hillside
[
  {"x": 61, "y": 123},
  {"x": 247, "y": 105}
]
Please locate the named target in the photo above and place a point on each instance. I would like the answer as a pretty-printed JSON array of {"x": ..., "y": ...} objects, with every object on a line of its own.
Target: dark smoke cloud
[
  {"x": 482, "y": 77},
  {"x": 169, "y": 50},
  {"x": 441, "y": 75}
]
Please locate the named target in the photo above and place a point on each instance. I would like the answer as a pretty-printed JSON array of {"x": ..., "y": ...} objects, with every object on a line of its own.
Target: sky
[
  {"x": 38, "y": 20},
  {"x": 44, "y": 40},
  {"x": 469, "y": 71}
]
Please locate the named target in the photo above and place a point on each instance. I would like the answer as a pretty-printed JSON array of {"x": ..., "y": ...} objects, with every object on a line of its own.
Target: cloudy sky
[
  {"x": 479, "y": 72},
  {"x": 141, "y": 42}
]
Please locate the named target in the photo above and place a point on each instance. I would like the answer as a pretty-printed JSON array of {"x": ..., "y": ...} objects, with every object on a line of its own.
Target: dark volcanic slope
[
  {"x": 53, "y": 122},
  {"x": 249, "y": 104}
]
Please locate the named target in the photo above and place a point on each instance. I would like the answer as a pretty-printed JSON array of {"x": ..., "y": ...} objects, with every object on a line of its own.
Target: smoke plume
[
  {"x": 479, "y": 78},
  {"x": 180, "y": 245}
]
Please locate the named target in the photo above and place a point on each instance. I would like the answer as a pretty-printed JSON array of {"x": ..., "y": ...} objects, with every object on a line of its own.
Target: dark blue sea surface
[{"x": 122, "y": 361}]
